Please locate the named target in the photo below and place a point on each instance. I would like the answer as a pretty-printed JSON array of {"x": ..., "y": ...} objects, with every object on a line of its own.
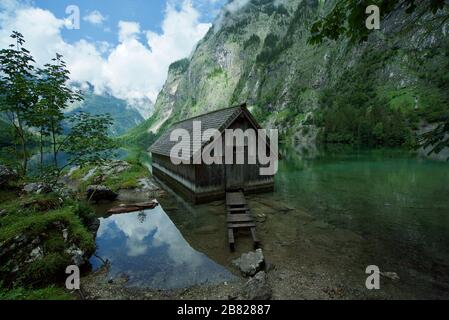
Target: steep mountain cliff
[{"x": 375, "y": 93}]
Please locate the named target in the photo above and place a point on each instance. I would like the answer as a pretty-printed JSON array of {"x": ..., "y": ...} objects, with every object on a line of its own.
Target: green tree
[
  {"x": 38, "y": 120},
  {"x": 87, "y": 142},
  {"x": 347, "y": 17},
  {"x": 17, "y": 95},
  {"x": 438, "y": 138},
  {"x": 353, "y": 111},
  {"x": 32, "y": 99},
  {"x": 54, "y": 97}
]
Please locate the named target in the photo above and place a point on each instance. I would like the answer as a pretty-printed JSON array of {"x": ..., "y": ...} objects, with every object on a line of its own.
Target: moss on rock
[
  {"x": 37, "y": 245},
  {"x": 127, "y": 177}
]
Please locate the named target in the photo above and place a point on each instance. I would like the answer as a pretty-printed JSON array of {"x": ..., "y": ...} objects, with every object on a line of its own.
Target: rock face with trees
[
  {"x": 309, "y": 68},
  {"x": 312, "y": 70}
]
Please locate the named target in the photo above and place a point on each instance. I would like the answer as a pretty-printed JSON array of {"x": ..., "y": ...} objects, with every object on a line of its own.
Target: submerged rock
[
  {"x": 257, "y": 288},
  {"x": 261, "y": 217},
  {"x": 6, "y": 176},
  {"x": 269, "y": 266},
  {"x": 250, "y": 263},
  {"x": 98, "y": 193}
]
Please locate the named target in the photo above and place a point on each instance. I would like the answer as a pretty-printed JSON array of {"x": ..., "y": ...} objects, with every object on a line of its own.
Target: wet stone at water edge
[
  {"x": 250, "y": 263},
  {"x": 99, "y": 193},
  {"x": 257, "y": 288}
]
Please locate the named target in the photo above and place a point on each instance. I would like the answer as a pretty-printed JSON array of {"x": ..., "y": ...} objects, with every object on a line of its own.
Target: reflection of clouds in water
[
  {"x": 105, "y": 228},
  {"x": 163, "y": 230},
  {"x": 153, "y": 253},
  {"x": 136, "y": 245}
]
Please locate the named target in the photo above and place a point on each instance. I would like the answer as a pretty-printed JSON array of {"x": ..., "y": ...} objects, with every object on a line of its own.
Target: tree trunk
[
  {"x": 42, "y": 152},
  {"x": 24, "y": 148},
  {"x": 25, "y": 156},
  {"x": 55, "y": 151}
]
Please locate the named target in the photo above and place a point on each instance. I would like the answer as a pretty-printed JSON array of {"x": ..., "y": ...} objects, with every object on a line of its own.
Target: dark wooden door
[{"x": 235, "y": 175}]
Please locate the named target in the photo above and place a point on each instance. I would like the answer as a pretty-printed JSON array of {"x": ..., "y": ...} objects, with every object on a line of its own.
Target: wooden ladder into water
[{"x": 239, "y": 217}]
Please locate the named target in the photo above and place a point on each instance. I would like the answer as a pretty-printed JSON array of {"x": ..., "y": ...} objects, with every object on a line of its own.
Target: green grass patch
[
  {"x": 137, "y": 155},
  {"x": 128, "y": 179},
  {"x": 48, "y": 293},
  {"x": 34, "y": 224},
  {"x": 81, "y": 172},
  {"x": 33, "y": 203},
  {"x": 42, "y": 218},
  {"x": 217, "y": 72},
  {"x": 140, "y": 136}
]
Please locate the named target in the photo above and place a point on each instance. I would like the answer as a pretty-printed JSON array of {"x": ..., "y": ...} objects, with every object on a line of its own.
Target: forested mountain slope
[
  {"x": 374, "y": 93},
  {"x": 125, "y": 116}
]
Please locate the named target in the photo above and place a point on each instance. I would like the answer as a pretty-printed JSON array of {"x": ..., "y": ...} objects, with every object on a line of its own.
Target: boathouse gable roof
[{"x": 219, "y": 119}]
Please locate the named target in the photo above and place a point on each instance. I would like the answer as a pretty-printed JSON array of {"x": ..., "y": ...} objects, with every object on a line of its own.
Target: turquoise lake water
[
  {"x": 390, "y": 195},
  {"x": 390, "y": 208}
]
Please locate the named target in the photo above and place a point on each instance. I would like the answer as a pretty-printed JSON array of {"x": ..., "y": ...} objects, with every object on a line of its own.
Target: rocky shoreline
[
  {"x": 48, "y": 227},
  {"x": 256, "y": 279},
  {"x": 301, "y": 258},
  {"x": 253, "y": 285}
]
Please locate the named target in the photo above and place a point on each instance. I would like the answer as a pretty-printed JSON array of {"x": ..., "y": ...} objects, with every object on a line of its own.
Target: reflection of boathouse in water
[{"x": 202, "y": 182}]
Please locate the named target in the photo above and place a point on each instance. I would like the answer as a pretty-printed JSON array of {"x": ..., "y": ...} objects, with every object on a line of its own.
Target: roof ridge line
[{"x": 211, "y": 112}]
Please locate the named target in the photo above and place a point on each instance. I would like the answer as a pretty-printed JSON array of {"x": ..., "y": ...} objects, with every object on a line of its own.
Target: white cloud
[
  {"x": 132, "y": 69},
  {"x": 95, "y": 17},
  {"x": 236, "y": 5},
  {"x": 230, "y": 8},
  {"x": 128, "y": 30},
  {"x": 181, "y": 31},
  {"x": 128, "y": 70}
]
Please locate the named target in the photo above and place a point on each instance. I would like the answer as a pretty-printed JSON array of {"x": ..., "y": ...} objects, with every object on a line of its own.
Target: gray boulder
[
  {"x": 250, "y": 263},
  {"x": 64, "y": 191},
  {"x": 6, "y": 175},
  {"x": 36, "y": 254},
  {"x": 257, "y": 288},
  {"x": 99, "y": 193},
  {"x": 148, "y": 185},
  {"x": 37, "y": 187},
  {"x": 77, "y": 255},
  {"x": 113, "y": 168}
]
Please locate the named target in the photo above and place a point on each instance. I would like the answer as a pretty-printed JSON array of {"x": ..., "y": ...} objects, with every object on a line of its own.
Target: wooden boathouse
[{"x": 202, "y": 183}]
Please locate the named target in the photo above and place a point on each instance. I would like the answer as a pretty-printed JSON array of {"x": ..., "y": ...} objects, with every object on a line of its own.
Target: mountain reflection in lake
[{"x": 148, "y": 248}]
